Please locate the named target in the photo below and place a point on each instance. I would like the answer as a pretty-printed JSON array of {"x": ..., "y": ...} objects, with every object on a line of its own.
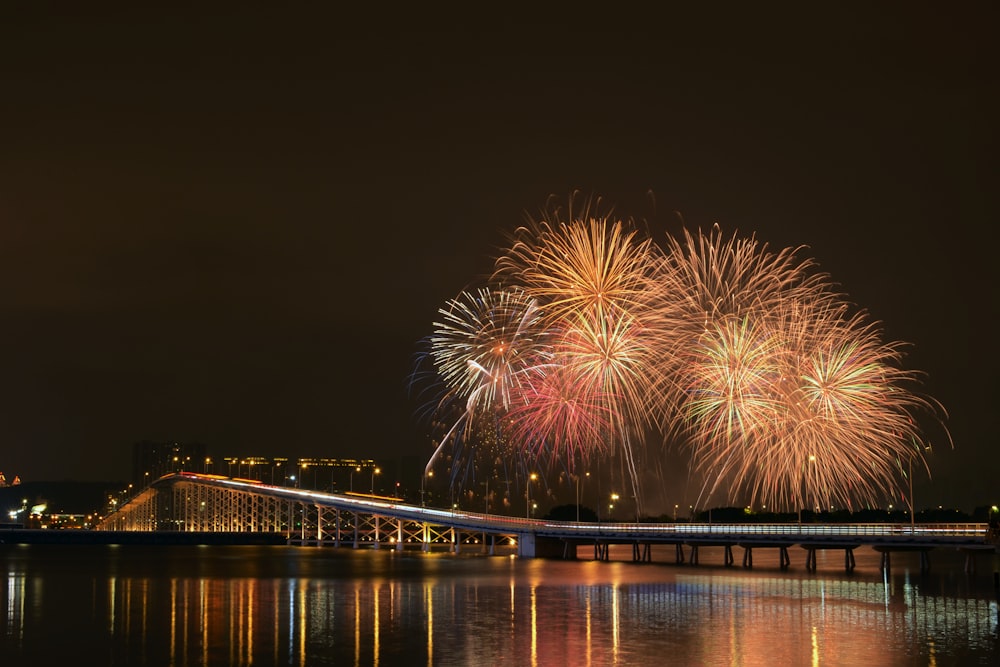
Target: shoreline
[{"x": 43, "y": 536}]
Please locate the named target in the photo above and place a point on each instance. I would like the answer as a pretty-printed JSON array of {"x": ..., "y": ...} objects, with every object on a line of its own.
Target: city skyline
[{"x": 236, "y": 228}]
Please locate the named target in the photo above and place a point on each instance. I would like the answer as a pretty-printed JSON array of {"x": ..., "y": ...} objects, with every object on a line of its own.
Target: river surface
[{"x": 280, "y": 605}]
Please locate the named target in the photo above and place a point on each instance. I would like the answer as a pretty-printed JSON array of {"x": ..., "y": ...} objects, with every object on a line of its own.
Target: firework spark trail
[
  {"x": 484, "y": 348},
  {"x": 484, "y": 344},
  {"x": 707, "y": 277},
  {"x": 595, "y": 280},
  {"x": 782, "y": 395},
  {"x": 561, "y": 417}
]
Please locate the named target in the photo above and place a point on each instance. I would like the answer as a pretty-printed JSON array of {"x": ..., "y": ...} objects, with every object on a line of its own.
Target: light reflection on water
[{"x": 308, "y": 606}]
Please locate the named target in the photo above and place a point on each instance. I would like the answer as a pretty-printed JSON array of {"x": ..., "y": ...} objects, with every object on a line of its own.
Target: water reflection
[
  {"x": 15, "y": 605},
  {"x": 264, "y": 605}
]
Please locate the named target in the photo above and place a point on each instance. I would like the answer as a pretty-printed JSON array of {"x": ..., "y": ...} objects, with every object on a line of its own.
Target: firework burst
[
  {"x": 781, "y": 394},
  {"x": 748, "y": 358},
  {"x": 595, "y": 279},
  {"x": 484, "y": 348}
]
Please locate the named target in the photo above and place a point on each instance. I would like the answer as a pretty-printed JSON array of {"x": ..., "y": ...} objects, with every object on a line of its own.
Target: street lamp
[
  {"x": 611, "y": 507},
  {"x": 913, "y": 514},
  {"x": 357, "y": 469},
  {"x": 805, "y": 486},
  {"x": 913, "y": 509},
  {"x": 375, "y": 471},
  {"x": 427, "y": 473},
  {"x": 527, "y": 502}
]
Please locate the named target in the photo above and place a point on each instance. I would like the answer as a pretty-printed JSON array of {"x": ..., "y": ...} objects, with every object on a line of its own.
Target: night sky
[{"x": 234, "y": 227}]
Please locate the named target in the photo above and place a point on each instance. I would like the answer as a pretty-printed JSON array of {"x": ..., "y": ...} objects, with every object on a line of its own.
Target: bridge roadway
[{"x": 213, "y": 503}]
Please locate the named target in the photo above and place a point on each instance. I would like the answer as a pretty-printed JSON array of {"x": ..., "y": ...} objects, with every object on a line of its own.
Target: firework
[
  {"x": 748, "y": 358},
  {"x": 485, "y": 343},
  {"x": 560, "y": 417},
  {"x": 781, "y": 393},
  {"x": 595, "y": 279},
  {"x": 483, "y": 349}
]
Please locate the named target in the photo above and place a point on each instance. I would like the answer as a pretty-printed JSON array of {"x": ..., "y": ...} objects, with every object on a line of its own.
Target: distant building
[
  {"x": 151, "y": 460},
  {"x": 318, "y": 474}
]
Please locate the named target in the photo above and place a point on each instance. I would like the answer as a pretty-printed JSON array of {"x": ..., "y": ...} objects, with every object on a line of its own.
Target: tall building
[
  {"x": 151, "y": 460},
  {"x": 318, "y": 474}
]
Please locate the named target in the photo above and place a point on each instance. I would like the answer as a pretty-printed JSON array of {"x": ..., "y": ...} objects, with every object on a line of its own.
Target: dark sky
[{"x": 233, "y": 227}]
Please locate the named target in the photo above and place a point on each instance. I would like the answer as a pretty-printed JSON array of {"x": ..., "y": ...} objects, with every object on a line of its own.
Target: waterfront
[{"x": 268, "y": 605}]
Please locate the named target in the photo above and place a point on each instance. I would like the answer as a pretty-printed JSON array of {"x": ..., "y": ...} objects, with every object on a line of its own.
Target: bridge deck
[{"x": 202, "y": 502}]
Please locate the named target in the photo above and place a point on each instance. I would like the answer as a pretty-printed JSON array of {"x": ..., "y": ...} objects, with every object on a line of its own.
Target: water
[{"x": 268, "y": 605}]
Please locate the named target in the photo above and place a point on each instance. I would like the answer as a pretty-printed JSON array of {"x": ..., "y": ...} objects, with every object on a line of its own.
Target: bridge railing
[
  {"x": 792, "y": 529},
  {"x": 674, "y": 532}
]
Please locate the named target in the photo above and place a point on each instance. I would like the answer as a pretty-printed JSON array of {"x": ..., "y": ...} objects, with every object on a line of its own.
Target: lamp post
[
  {"x": 611, "y": 507},
  {"x": 913, "y": 505},
  {"x": 913, "y": 516},
  {"x": 375, "y": 471},
  {"x": 427, "y": 473},
  {"x": 357, "y": 469},
  {"x": 805, "y": 487},
  {"x": 527, "y": 503}
]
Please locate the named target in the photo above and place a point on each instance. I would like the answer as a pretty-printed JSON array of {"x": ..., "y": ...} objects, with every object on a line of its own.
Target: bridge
[{"x": 203, "y": 503}]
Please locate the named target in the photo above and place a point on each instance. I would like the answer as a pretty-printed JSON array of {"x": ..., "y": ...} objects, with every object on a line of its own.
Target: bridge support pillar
[
  {"x": 530, "y": 545},
  {"x": 729, "y": 555},
  {"x": 748, "y": 557},
  {"x": 885, "y": 561},
  {"x": 680, "y": 553},
  {"x": 641, "y": 553},
  {"x": 849, "y": 559},
  {"x": 784, "y": 560},
  {"x": 526, "y": 545}
]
